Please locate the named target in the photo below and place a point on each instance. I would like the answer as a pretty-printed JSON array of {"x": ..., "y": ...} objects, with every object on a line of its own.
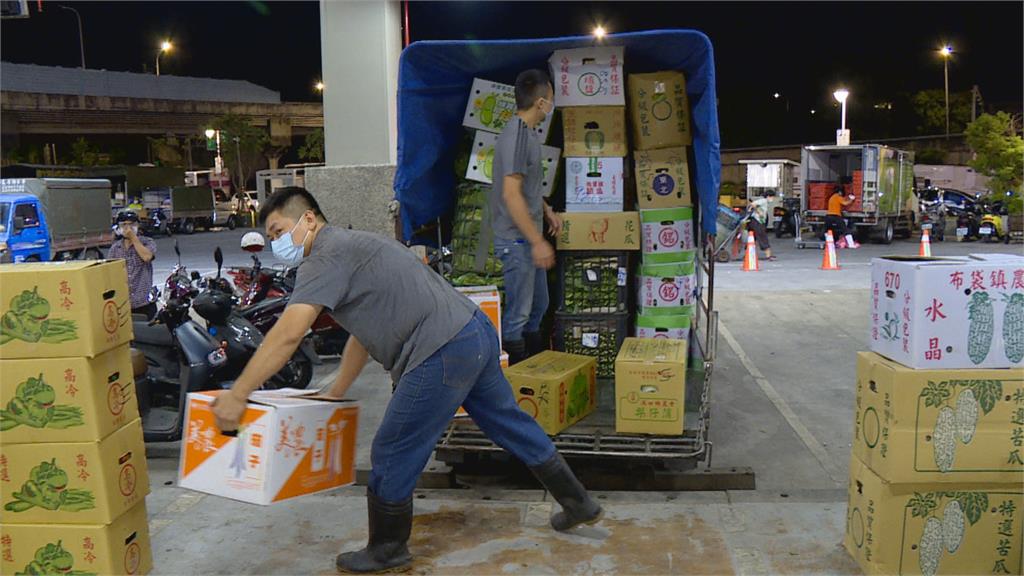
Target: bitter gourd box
[
  {"x": 74, "y": 482},
  {"x": 60, "y": 309},
  {"x": 948, "y": 313},
  {"x": 949, "y": 426},
  {"x": 121, "y": 547},
  {"x": 66, "y": 399},
  {"x": 556, "y": 388},
  {"x": 932, "y": 529},
  {"x": 650, "y": 386},
  {"x": 659, "y": 110}
]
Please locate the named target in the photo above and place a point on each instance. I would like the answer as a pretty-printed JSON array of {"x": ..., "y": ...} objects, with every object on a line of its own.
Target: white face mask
[{"x": 286, "y": 250}]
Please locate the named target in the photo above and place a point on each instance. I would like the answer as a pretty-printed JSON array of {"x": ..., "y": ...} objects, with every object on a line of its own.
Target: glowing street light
[
  {"x": 842, "y": 135},
  {"x": 600, "y": 32},
  {"x": 946, "y": 51},
  {"x": 319, "y": 86},
  {"x": 776, "y": 95},
  {"x": 218, "y": 162},
  {"x": 165, "y": 46}
]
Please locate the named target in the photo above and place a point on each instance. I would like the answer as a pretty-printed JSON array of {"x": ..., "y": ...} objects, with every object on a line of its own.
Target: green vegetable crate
[
  {"x": 597, "y": 335},
  {"x": 469, "y": 214},
  {"x": 594, "y": 282}
]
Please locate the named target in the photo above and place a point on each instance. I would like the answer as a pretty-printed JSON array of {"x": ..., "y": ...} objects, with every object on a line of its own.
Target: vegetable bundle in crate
[
  {"x": 597, "y": 335},
  {"x": 470, "y": 210},
  {"x": 593, "y": 282}
]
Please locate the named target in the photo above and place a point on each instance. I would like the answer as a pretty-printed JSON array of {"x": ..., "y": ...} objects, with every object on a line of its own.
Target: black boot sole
[
  {"x": 595, "y": 520},
  {"x": 399, "y": 569}
]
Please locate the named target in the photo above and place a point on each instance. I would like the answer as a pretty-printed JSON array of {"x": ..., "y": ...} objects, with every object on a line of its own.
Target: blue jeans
[
  {"x": 526, "y": 289},
  {"x": 465, "y": 372}
]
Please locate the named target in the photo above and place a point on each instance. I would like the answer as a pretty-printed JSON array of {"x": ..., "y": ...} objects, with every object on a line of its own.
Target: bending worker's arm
[
  {"x": 512, "y": 194},
  {"x": 352, "y": 362},
  {"x": 277, "y": 348}
]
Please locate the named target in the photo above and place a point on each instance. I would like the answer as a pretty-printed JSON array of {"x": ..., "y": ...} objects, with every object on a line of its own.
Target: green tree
[
  {"x": 242, "y": 147},
  {"x": 930, "y": 108},
  {"x": 84, "y": 153},
  {"x": 999, "y": 150},
  {"x": 312, "y": 149}
]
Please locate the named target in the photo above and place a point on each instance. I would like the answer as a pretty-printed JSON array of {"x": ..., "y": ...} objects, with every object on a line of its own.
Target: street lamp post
[
  {"x": 218, "y": 162},
  {"x": 238, "y": 152},
  {"x": 81, "y": 41},
  {"x": 165, "y": 46},
  {"x": 946, "y": 52},
  {"x": 843, "y": 135}
]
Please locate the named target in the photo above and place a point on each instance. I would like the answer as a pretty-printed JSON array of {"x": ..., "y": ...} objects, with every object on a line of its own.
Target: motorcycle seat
[
  {"x": 157, "y": 335},
  {"x": 259, "y": 306}
]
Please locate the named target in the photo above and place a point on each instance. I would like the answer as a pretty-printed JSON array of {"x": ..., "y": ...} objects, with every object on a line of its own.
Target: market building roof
[{"x": 37, "y": 79}]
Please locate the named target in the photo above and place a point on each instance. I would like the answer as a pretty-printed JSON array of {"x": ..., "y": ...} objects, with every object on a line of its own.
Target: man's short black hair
[
  {"x": 292, "y": 201},
  {"x": 531, "y": 85}
]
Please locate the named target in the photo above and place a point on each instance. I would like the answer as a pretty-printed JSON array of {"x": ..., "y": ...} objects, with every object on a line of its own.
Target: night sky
[{"x": 882, "y": 51}]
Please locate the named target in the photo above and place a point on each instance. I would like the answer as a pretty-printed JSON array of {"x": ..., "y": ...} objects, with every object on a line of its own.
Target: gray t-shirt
[
  {"x": 517, "y": 151},
  {"x": 378, "y": 290}
]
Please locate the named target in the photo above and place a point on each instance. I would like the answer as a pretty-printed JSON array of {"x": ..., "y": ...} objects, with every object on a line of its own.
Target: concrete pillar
[{"x": 360, "y": 43}]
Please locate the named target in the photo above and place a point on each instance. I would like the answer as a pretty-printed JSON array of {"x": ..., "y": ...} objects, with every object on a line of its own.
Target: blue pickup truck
[{"x": 43, "y": 219}]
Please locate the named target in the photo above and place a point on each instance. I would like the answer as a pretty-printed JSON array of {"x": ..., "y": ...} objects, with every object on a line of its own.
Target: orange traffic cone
[
  {"x": 830, "y": 261},
  {"x": 926, "y": 244},
  {"x": 750, "y": 258}
]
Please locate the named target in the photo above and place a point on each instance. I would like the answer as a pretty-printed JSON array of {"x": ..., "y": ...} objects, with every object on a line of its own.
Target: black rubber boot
[
  {"x": 390, "y": 527},
  {"x": 516, "y": 351},
  {"x": 534, "y": 343},
  {"x": 577, "y": 505}
]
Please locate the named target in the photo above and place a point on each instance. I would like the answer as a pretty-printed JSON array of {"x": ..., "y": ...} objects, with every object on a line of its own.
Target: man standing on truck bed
[
  {"x": 138, "y": 253},
  {"x": 518, "y": 211},
  {"x": 440, "y": 348}
]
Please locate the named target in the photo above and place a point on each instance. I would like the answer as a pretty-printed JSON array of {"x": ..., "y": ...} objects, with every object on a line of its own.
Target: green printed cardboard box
[
  {"x": 121, "y": 547},
  {"x": 74, "y": 482},
  {"x": 61, "y": 309},
  {"x": 932, "y": 529},
  {"x": 557, "y": 389},
  {"x": 66, "y": 399},
  {"x": 948, "y": 426}
]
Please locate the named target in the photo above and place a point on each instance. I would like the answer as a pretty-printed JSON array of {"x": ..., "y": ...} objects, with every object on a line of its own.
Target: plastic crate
[
  {"x": 597, "y": 335},
  {"x": 594, "y": 282}
]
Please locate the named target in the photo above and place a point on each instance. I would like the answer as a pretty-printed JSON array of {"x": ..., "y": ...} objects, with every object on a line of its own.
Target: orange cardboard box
[{"x": 290, "y": 443}]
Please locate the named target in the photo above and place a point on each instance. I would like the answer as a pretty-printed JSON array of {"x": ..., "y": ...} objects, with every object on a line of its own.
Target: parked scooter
[
  {"x": 991, "y": 227},
  {"x": 240, "y": 337},
  {"x": 933, "y": 219},
  {"x": 179, "y": 357},
  {"x": 785, "y": 217}
]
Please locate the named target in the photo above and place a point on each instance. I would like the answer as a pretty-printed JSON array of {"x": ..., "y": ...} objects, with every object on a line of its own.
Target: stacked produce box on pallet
[
  {"x": 594, "y": 265},
  {"x": 73, "y": 475},
  {"x": 937, "y": 471}
]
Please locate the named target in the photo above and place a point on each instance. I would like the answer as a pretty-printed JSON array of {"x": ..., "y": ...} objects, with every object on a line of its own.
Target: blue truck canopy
[{"x": 435, "y": 77}]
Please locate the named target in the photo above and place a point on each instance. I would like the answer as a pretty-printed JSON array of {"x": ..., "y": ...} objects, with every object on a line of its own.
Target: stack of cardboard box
[
  {"x": 73, "y": 476},
  {"x": 593, "y": 317},
  {"x": 937, "y": 471}
]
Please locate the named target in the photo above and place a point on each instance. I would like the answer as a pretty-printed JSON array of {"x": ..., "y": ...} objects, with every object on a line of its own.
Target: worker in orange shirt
[{"x": 834, "y": 219}]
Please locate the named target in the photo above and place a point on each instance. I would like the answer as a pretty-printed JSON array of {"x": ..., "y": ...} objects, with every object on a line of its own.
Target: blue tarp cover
[{"x": 434, "y": 81}]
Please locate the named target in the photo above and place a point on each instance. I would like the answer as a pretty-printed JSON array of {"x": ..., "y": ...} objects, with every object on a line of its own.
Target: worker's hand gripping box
[
  {"x": 66, "y": 399},
  {"x": 949, "y": 426},
  {"x": 933, "y": 529},
  {"x": 595, "y": 131},
  {"x": 662, "y": 178},
  {"x": 121, "y": 547},
  {"x": 650, "y": 386},
  {"x": 588, "y": 76},
  {"x": 74, "y": 482},
  {"x": 660, "y": 110},
  {"x": 481, "y": 162},
  {"x": 557, "y": 389},
  {"x": 668, "y": 235},
  {"x": 50, "y": 310},
  {"x": 594, "y": 185},
  {"x": 492, "y": 105},
  {"x": 948, "y": 313},
  {"x": 286, "y": 446},
  {"x": 600, "y": 231}
]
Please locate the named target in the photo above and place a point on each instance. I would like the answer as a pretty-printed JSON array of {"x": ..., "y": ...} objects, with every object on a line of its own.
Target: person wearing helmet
[
  {"x": 138, "y": 252},
  {"x": 253, "y": 242}
]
